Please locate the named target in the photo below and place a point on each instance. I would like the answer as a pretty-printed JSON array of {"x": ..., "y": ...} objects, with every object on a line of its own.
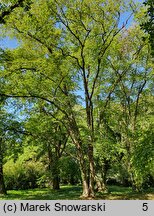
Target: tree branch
[
  {"x": 36, "y": 97},
  {"x": 9, "y": 10}
]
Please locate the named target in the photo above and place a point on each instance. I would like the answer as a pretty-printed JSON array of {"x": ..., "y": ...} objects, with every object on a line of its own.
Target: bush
[{"x": 22, "y": 174}]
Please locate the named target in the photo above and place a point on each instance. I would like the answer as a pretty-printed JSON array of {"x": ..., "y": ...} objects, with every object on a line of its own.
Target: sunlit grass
[
  {"x": 74, "y": 192},
  {"x": 66, "y": 192}
]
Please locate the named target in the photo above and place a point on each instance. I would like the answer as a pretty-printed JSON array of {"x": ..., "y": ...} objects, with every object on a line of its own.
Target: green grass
[
  {"x": 74, "y": 192},
  {"x": 125, "y": 193},
  {"x": 66, "y": 192}
]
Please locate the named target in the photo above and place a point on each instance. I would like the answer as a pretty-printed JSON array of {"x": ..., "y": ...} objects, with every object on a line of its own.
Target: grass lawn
[{"x": 74, "y": 192}]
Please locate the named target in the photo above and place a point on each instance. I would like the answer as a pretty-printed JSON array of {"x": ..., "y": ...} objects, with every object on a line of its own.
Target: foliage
[
  {"x": 69, "y": 171},
  {"x": 149, "y": 25},
  {"x": 86, "y": 80},
  {"x": 24, "y": 173}
]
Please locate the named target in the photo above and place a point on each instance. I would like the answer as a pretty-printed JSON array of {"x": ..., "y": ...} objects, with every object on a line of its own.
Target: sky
[{"x": 8, "y": 43}]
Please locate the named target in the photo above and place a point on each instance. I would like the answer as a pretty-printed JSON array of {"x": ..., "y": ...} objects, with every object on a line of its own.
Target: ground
[{"x": 74, "y": 192}]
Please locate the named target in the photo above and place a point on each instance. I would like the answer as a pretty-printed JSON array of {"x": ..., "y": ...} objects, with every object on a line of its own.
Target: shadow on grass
[
  {"x": 74, "y": 192},
  {"x": 126, "y": 193}
]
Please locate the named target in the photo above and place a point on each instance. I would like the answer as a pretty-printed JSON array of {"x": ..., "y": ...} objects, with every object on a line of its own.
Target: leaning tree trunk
[
  {"x": 87, "y": 186},
  {"x": 82, "y": 164},
  {"x": 75, "y": 136},
  {"x": 87, "y": 183}
]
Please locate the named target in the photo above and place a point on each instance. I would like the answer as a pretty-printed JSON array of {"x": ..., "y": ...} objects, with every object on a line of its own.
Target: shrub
[{"x": 22, "y": 174}]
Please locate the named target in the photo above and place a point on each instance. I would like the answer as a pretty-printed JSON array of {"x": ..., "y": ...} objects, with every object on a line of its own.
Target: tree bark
[
  {"x": 75, "y": 136},
  {"x": 56, "y": 182},
  {"x": 90, "y": 125},
  {"x": 2, "y": 184},
  {"x": 82, "y": 163},
  {"x": 54, "y": 169},
  {"x": 92, "y": 171},
  {"x": 106, "y": 166},
  {"x": 101, "y": 180}
]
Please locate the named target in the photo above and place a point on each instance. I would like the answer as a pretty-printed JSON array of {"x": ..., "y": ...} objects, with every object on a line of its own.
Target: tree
[
  {"x": 63, "y": 57},
  {"x": 51, "y": 138},
  {"x": 125, "y": 106}
]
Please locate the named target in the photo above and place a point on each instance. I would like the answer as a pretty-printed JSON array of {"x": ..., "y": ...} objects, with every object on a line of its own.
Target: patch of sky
[
  {"x": 127, "y": 18},
  {"x": 9, "y": 43}
]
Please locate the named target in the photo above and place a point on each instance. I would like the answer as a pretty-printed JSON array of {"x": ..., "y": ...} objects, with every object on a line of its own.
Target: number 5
[{"x": 145, "y": 207}]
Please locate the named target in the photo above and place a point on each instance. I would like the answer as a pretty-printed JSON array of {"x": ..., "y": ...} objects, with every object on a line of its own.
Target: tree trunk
[
  {"x": 92, "y": 171},
  {"x": 55, "y": 173},
  {"x": 75, "y": 136},
  {"x": 101, "y": 181},
  {"x": 56, "y": 182},
  {"x": 2, "y": 184},
  {"x": 88, "y": 184},
  {"x": 82, "y": 163},
  {"x": 85, "y": 188},
  {"x": 54, "y": 169},
  {"x": 106, "y": 166},
  {"x": 90, "y": 125}
]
